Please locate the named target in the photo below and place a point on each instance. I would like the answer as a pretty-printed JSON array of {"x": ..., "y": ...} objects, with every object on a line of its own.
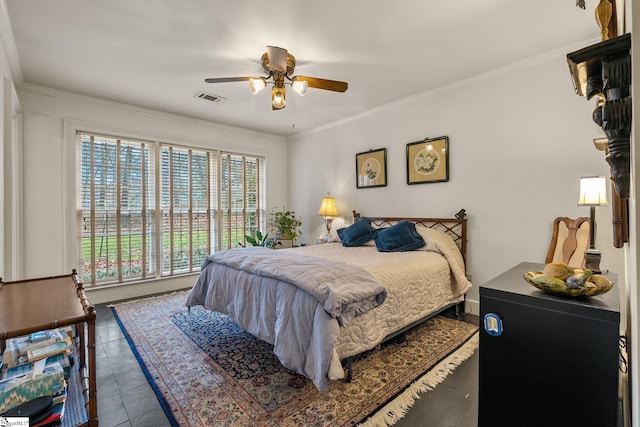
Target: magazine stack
[{"x": 34, "y": 374}]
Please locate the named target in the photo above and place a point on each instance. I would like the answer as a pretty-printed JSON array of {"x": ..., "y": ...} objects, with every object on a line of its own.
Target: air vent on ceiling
[{"x": 209, "y": 97}]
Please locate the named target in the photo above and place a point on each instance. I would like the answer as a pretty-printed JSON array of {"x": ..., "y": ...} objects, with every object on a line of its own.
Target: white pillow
[{"x": 429, "y": 235}]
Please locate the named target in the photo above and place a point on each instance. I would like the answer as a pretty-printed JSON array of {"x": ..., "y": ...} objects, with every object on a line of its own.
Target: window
[{"x": 150, "y": 209}]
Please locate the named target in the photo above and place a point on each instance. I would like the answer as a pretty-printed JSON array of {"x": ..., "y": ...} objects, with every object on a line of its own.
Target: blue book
[{"x": 40, "y": 336}]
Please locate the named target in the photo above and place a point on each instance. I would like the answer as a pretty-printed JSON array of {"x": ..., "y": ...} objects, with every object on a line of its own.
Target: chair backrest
[{"x": 569, "y": 240}]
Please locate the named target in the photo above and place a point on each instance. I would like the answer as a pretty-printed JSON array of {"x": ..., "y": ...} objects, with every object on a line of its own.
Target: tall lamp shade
[
  {"x": 328, "y": 211},
  {"x": 593, "y": 192}
]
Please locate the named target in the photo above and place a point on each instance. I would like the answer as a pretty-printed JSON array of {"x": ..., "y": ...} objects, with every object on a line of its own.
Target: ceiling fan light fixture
[
  {"x": 256, "y": 84},
  {"x": 279, "y": 65},
  {"x": 299, "y": 86},
  {"x": 277, "y": 98}
]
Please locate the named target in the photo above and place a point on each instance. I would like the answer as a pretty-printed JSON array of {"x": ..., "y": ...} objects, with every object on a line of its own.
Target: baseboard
[
  {"x": 118, "y": 292},
  {"x": 472, "y": 307}
]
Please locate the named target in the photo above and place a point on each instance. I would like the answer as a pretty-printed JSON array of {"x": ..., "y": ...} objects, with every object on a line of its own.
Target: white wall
[
  {"x": 519, "y": 138},
  {"x": 10, "y": 155},
  {"x": 50, "y": 118}
]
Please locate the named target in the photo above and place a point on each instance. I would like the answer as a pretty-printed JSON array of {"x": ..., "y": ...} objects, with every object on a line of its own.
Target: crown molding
[
  {"x": 57, "y": 93},
  {"x": 9, "y": 43}
]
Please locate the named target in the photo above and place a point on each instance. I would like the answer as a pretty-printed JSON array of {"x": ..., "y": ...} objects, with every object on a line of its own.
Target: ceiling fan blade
[
  {"x": 277, "y": 58},
  {"x": 227, "y": 79},
  {"x": 334, "y": 85}
]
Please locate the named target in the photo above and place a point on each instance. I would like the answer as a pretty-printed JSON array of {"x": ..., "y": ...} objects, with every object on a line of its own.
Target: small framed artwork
[
  {"x": 371, "y": 168},
  {"x": 428, "y": 161}
]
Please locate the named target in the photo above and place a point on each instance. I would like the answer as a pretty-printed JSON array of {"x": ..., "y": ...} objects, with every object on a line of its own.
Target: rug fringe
[
  {"x": 133, "y": 301},
  {"x": 398, "y": 407}
]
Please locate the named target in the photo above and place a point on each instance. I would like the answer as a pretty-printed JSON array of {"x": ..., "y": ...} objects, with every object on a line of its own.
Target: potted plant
[
  {"x": 285, "y": 225},
  {"x": 260, "y": 240}
]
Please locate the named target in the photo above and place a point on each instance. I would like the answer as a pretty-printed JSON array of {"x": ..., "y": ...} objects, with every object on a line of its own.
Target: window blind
[
  {"x": 113, "y": 200},
  {"x": 136, "y": 224}
]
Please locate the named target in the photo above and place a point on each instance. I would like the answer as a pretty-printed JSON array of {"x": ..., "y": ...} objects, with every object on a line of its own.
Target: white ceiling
[{"x": 157, "y": 53}]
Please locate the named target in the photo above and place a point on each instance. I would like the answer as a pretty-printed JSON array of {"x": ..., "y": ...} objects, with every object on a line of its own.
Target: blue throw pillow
[
  {"x": 401, "y": 237},
  {"x": 357, "y": 233}
]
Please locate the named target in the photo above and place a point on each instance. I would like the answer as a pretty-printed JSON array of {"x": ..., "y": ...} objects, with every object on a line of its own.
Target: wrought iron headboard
[{"x": 456, "y": 227}]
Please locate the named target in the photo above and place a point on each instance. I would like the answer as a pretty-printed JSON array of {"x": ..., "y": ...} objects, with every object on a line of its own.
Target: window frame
[{"x": 72, "y": 235}]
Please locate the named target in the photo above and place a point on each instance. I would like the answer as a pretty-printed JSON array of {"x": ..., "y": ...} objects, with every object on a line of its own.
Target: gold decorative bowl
[{"x": 594, "y": 285}]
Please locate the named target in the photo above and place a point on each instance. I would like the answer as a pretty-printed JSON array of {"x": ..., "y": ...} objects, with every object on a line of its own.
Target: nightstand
[{"x": 547, "y": 360}]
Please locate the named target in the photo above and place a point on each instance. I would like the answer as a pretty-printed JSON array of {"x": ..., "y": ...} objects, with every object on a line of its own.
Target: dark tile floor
[{"x": 125, "y": 397}]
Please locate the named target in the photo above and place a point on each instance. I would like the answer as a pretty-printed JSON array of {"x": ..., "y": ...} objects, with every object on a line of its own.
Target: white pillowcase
[{"x": 428, "y": 235}]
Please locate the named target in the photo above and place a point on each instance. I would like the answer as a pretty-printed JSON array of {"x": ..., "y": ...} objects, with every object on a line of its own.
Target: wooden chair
[{"x": 569, "y": 241}]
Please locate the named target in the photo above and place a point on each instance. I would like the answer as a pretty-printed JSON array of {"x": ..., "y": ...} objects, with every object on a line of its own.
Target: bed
[{"x": 321, "y": 305}]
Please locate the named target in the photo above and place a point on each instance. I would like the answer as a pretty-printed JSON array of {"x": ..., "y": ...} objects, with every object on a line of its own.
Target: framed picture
[
  {"x": 371, "y": 168},
  {"x": 428, "y": 161}
]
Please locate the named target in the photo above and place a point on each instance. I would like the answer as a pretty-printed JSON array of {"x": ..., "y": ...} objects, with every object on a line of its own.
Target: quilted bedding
[{"x": 306, "y": 338}]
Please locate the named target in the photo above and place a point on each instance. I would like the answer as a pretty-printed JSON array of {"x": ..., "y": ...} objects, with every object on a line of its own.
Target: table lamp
[
  {"x": 328, "y": 211},
  {"x": 593, "y": 192}
]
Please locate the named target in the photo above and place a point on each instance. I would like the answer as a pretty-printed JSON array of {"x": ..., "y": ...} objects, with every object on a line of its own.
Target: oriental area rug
[{"x": 206, "y": 371}]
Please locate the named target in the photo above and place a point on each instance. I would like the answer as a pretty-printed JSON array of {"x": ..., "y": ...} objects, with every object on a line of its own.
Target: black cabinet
[{"x": 546, "y": 360}]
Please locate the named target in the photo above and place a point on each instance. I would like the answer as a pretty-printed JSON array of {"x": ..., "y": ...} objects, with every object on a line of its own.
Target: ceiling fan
[{"x": 279, "y": 64}]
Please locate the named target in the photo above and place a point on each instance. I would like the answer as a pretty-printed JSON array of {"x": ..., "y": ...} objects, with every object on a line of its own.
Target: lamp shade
[
  {"x": 299, "y": 86},
  {"x": 277, "y": 98},
  {"x": 256, "y": 84},
  {"x": 328, "y": 207},
  {"x": 593, "y": 191}
]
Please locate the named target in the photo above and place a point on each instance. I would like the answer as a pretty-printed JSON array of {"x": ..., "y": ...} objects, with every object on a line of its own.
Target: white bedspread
[{"x": 417, "y": 284}]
